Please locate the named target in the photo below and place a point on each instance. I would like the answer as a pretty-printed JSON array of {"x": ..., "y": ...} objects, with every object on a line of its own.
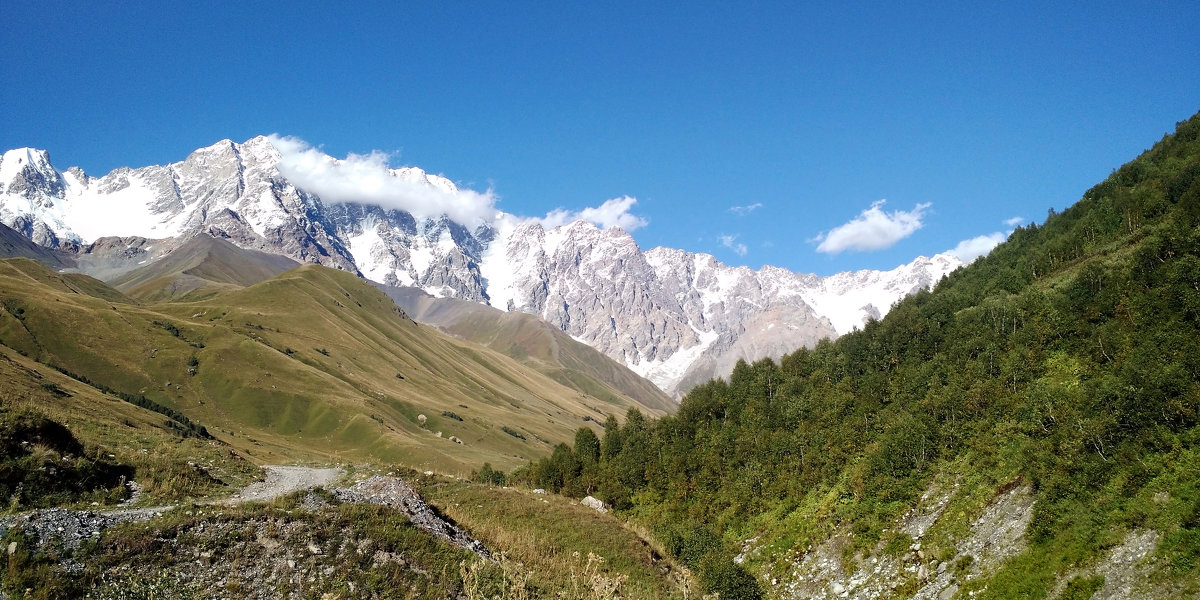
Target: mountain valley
[{"x": 1022, "y": 426}]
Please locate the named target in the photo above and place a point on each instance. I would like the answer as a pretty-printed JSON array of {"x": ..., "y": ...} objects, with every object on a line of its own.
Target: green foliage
[
  {"x": 1069, "y": 356},
  {"x": 728, "y": 580},
  {"x": 487, "y": 475},
  {"x": 53, "y": 388},
  {"x": 169, "y": 327},
  {"x": 561, "y": 470},
  {"x": 1082, "y": 588}
]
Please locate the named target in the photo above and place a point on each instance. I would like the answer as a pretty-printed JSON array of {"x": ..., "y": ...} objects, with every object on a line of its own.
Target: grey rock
[
  {"x": 395, "y": 493},
  {"x": 594, "y": 504}
]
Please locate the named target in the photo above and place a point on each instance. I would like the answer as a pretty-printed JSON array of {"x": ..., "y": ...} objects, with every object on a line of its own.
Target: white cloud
[
  {"x": 872, "y": 229},
  {"x": 367, "y": 179},
  {"x": 742, "y": 211},
  {"x": 614, "y": 212},
  {"x": 730, "y": 241},
  {"x": 969, "y": 250},
  {"x": 1013, "y": 222}
]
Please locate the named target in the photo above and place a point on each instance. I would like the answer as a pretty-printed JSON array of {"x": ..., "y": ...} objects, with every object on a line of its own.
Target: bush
[{"x": 489, "y": 476}]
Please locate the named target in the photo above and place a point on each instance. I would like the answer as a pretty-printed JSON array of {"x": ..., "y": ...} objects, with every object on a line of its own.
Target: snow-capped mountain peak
[
  {"x": 849, "y": 299},
  {"x": 676, "y": 317}
]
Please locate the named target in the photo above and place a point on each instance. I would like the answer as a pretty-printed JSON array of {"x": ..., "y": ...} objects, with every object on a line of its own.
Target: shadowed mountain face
[
  {"x": 202, "y": 266},
  {"x": 13, "y": 244},
  {"x": 534, "y": 343}
]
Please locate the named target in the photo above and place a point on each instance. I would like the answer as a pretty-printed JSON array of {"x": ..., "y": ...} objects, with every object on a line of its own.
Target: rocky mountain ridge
[{"x": 674, "y": 317}]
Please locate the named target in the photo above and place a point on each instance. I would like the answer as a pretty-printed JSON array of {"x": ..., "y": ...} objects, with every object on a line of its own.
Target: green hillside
[
  {"x": 312, "y": 365},
  {"x": 81, "y": 363},
  {"x": 1061, "y": 372},
  {"x": 66, "y": 443},
  {"x": 534, "y": 343}
]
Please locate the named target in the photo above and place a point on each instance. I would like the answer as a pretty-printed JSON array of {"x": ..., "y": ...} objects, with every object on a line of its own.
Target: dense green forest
[{"x": 1067, "y": 360}]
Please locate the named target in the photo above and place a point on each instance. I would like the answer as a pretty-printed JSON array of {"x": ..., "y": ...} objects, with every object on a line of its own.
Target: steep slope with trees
[{"x": 1065, "y": 366}]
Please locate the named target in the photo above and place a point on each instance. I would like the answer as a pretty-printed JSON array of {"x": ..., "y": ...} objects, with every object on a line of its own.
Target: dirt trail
[
  {"x": 75, "y": 526},
  {"x": 282, "y": 481}
]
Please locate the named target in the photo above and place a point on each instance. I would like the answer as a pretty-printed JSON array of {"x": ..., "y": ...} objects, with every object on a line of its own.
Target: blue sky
[{"x": 961, "y": 117}]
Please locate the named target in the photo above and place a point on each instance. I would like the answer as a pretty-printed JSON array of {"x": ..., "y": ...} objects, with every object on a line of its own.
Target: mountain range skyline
[
  {"x": 675, "y": 317},
  {"x": 749, "y": 133},
  {"x": 368, "y": 179}
]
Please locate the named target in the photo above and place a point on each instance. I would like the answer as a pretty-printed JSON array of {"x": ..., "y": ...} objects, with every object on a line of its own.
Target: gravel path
[
  {"x": 282, "y": 481},
  {"x": 75, "y": 526}
]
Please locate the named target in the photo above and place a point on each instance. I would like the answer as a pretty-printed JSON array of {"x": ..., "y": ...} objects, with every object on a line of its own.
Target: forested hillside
[{"x": 1067, "y": 361}]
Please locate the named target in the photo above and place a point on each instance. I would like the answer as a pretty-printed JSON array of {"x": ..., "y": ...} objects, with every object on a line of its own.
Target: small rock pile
[{"x": 395, "y": 493}]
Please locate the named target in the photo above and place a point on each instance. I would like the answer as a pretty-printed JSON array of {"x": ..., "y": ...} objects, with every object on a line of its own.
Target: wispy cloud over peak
[
  {"x": 613, "y": 213},
  {"x": 730, "y": 241},
  {"x": 971, "y": 249},
  {"x": 367, "y": 179}
]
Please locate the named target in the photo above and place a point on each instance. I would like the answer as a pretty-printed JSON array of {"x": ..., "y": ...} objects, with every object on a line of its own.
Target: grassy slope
[
  {"x": 536, "y": 344},
  {"x": 306, "y": 366},
  {"x": 206, "y": 266},
  {"x": 133, "y": 436},
  {"x": 553, "y": 538},
  {"x": 547, "y": 546}
]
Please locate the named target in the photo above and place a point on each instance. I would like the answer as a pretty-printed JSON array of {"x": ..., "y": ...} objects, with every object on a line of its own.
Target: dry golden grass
[
  {"x": 563, "y": 546},
  {"x": 313, "y": 366}
]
